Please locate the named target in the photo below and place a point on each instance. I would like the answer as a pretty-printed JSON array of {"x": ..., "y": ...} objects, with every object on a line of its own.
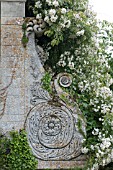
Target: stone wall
[{"x": 12, "y": 66}]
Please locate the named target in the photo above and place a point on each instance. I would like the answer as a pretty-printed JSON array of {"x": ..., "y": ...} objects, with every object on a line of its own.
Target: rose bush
[{"x": 76, "y": 43}]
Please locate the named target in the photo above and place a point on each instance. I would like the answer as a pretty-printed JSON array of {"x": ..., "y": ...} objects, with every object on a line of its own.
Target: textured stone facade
[
  {"x": 12, "y": 66},
  {"x": 17, "y": 75}
]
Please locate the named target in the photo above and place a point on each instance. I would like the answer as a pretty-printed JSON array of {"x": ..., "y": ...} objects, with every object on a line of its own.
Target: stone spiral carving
[
  {"x": 65, "y": 79},
  {"x": 51, "y": 124},
  {"x": 52, "y": 132}
]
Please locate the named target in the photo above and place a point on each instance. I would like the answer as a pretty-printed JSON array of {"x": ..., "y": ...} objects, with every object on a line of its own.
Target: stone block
[
  {"x": 8, "y": 126},
  {"x": 13, "y": 118},
  {"x": 11, "y": 21},
  {"x": 12, "y": 51},
  {"x": 12, "y": 62},
  {"x": 6, "y": 72},
  {"x": 12, "y": 9},
  {"x": 14, "y": 105},
  {"x": 16, "y": 92},
  {"x": 11, "y": 35},
  {"x": 60, "y": 164},
  {"x": 14, "y": 83}
]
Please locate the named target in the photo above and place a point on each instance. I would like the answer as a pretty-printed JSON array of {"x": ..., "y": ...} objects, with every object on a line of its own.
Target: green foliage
[
  {"x": 46, "y": 82},
  {"x": 15, "y": 153},
  {"x": 78, "y": 168},
  {"x": 4, "y": 150},
  {"x": 24, "y": 37},
  {"x": 24, "y": 40},
  {"x": 24, "y": 26}
]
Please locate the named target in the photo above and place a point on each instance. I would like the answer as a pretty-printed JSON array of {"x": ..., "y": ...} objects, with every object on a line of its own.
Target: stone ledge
[{"x": 60, "y": 164}]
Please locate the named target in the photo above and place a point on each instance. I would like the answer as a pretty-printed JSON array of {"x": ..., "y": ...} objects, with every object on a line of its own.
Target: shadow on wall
[{"x": 28, "y": 8}]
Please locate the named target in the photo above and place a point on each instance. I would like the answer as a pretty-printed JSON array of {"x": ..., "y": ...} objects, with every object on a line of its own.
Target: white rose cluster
[
  {"x": 55, "y": 15},
  {"x": 38, "y": 4},
  {"x": 66, "y": 56},
  {"x": 89, "y": 64}
]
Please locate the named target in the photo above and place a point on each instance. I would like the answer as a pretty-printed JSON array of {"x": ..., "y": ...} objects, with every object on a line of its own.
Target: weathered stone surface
[
  {"x": 8, "y": 126},
  {"x": 11, "y": 20},
  {"x": 11, "y": 35},
  {"x": 51, "y": 129},
  {"x": 13, "y": 118},
  {"x": 12, "y": 51},
  {"x": 13, "y": 9},
  {"x": 61, "y": 164},
  {"x": 12, "y": 65},
  {"x": 12, "y": 62}
]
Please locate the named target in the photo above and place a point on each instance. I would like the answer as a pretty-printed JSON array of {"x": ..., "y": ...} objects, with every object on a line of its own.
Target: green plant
[
  {"x": 46, "y": 82},
  {"x": 4, "y": 151},
  {"x": 15, "y": 153},
  {"x": 78, "y": 168},
  {"x": 24, "y": 37},
  {"x": 20, "y": 156}
]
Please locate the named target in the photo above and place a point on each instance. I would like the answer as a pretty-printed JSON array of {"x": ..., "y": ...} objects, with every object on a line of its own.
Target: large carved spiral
[
  {"x": 52, "y": 133},
  {"x": 52, "y": 124}
]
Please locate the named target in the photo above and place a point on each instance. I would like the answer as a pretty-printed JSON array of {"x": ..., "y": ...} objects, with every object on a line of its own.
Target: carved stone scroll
[{"x": 51, "y": 125}]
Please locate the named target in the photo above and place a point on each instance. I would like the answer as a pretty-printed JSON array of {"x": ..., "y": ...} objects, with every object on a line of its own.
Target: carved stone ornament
[
  {"x": 51, "y": 125},
  {"x": 65, "y": 79},
  {"x": 52, "y": 132}
]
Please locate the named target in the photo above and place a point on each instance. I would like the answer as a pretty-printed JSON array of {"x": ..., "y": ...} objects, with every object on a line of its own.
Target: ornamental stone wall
[{"x": 20, "y": 90}]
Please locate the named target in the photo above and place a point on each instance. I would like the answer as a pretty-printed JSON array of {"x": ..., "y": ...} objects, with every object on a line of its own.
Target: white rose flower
[
  {"x": 38, "y": 4},
  {"x": 67, "y": 23},
  {"x": 63, "y": 10},
  {"x": 95, "y": 166},
  {"x": 54, "y": 18},
  {"x": 55, "y": 3},
  {"x": 62, "y": 55},
  {"x": 77, "y": 16},
  {"x": 79, "y": 33},
  {"x": 71, "y": 65},
  {"x": 84, "y": 150},
  {"x": 46, "y": 19},
  {"x": 45, "y": 11},
  {"x": 112, "y": 154},
  {"x": 62, "y": 25},
  {"x": 103, "y": 162},
  {"x": 83, "y": 140},
  {"x": 95, "y": 131},
  {"x": 97, "y": 155},
  {"x": 67, "y": 53},
  {"x": 52, "y": 12},
  {"x": 39, "y": 16},
  {"x": 92, "y": 147},
  {"x": 49, "y": 2}
]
